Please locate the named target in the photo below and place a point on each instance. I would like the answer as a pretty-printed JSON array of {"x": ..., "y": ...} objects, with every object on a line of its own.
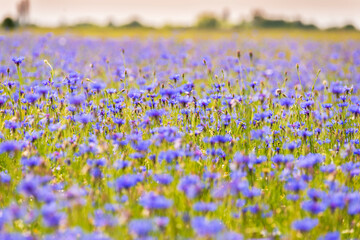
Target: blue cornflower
[
  {"x": 98, "y": 86},
  {"x": 205, "y": 207},
  {"x": 327, "y": 105},
  {"x": 184, "y": 100},
  {"x": 141, "y": 227},
  {"x": 127, "y": 181},
  {"x": 204, "y": 227},
  {"x": 84, "y": 118},
  {"x": 330, "y": 236},
  {"x": 191, "y": 185},
  {"x": 76, "y": 100},
  {"x": 43, "y": 90},
  {"x": 251, "y": 192},
  {"x": 170, "y": 155},
  {"x": 287, "y": 102},
  {"x": 3, "y": 99},
  {"x": 292, "y": 197},
  {"x": 354, "y": 208},
  {"x": 51, "y": 216},
  {"x": 119, "y": 121},
  {"x": 316, "y": 194},
  {"x": 31, "y": 162},
  {"x": 337, "y": 88},
  {"x": 305, "y": 224},
  {"x": 10, "y": 146},
  {"x": 328, "y": 168},
  {"x": 31, "y": 98},
  {"x": 155, "y": 113},
  {"x": 12, "y": 125},
  {"x": 18, "y": 60},
  {"x": 175, "y": 77},
  {"x": 102, "y": 219},
  {"x": 164, "y": 179},
  {"x": 295, "y": 185},
  {"x": 153, "y": 201},
  {"x": 4, "y": 178},
  {"x": 313, "y": 206},
  {"x": 120, "y": 164},
  {"x": 219, "y": 139},
  {"x": 310, "y": 160}
]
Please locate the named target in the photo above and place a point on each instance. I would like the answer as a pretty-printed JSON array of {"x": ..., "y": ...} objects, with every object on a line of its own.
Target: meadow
[{"x": 179, "y": 135}]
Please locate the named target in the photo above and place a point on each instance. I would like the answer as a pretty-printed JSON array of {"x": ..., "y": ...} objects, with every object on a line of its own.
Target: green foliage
[
  {"x": 260, "y": 21},
  {"x": 208, "y": 20},
  {"x": 9, "y": 23},
  {"x": 133, "y": 24}
]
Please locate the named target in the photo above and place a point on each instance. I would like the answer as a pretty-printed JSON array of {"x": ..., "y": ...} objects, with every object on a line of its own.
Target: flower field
[{"x": 168, "y": 138}]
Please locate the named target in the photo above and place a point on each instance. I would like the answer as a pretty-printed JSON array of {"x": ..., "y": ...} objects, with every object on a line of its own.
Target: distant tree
[
  {"x": 8, "y": 23},
  {"x": 208, "y": 20},
  {"x": 110, "y": 23},
  {"x": 133, "y": 24},
  {"x": 23, "y": 9},
  {"x": 261, "y": 21},
  {"x": 258, "y": 16},
  {"x": 349, "y": 27}
]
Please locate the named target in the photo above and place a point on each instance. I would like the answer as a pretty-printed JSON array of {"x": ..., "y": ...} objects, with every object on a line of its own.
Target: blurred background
[{"x": 210, "y": 14}]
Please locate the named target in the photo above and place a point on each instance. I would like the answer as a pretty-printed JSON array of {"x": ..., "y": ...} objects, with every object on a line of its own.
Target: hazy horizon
[{"x": 324, "y": 13}]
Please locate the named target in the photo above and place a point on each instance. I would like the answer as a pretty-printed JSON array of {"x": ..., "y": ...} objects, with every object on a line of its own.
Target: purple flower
[
  {"x": 84, "y": 118},
  {"x": 10, "y": 146},
  {"x": 76, "y": 100},
  {"x": 98, "y": 86},
  {"x": 330, "y": 236},
  {"x": 287, "y": 102},
  {"x": 295, "y": 185},
  {"x": 292, "y": 197},
  {"x": 5, "y": 178},
  {"x": 119, "y": 121},
  {"x": 155, "y": 113},
  {"x": 127, "y": 181},
  {"x": 141, "y": 227},
  {"x": 205, "y": 207},
  {"x": 18, "y": 60},
  {"x": 3, "y": 100},
  {"x": 31, "y": 162},
  {"x": 32, "y": 98},
  {"x": 313, "y": 207},
  {"x": 337, "y": 88},
  {"x": 164, "y": 179},
  {"x": 204, "y": 227},
  {"x": 305, "y": 224},
  {"x": 51, "y": 216},
  {"x": 335, "y": 200},
  {"x": 191, "y": 185},
  {"x": 153, "y": 201},
  {"x": 102, "y": 219}
]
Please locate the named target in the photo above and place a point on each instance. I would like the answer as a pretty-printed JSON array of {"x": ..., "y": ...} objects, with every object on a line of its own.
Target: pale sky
[{"x": 324, "y": 13}]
